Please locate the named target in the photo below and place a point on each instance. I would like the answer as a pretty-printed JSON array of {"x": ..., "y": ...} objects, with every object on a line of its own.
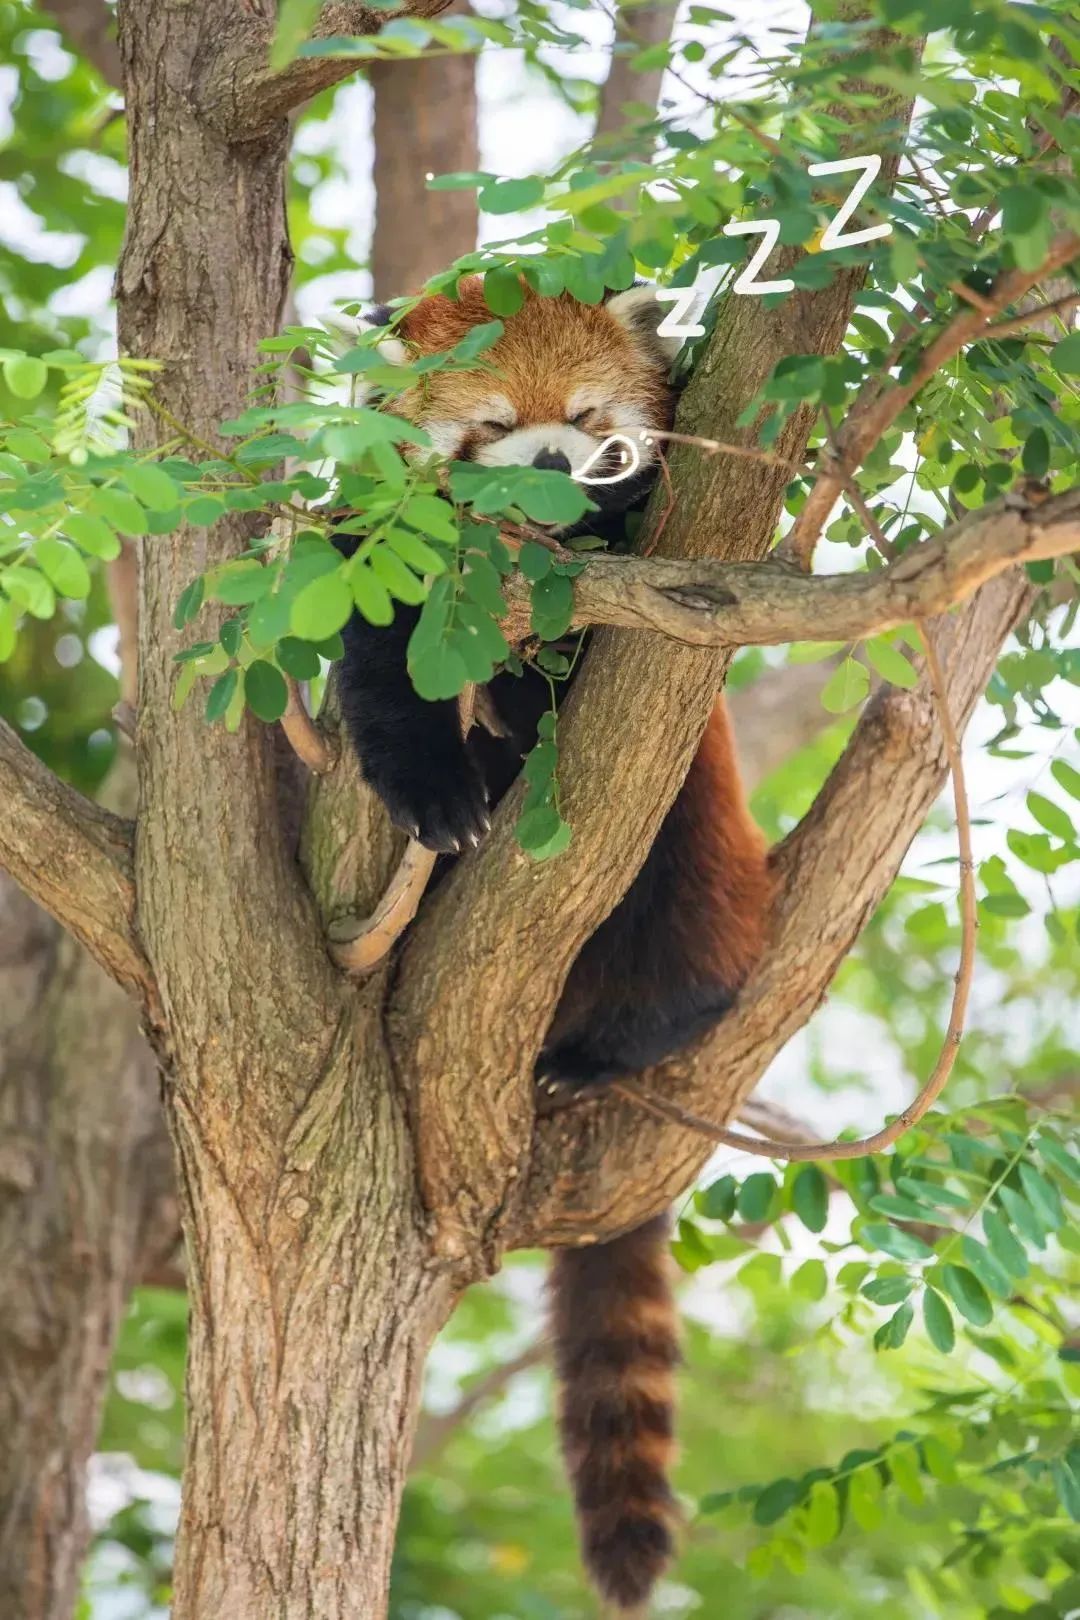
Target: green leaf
[
  {"x": 986, "y": 1266},
  {"x": 189, "y": 602},
  {"x": 63, "y": 566},
  {"x": 1067, "y": 1483},
  {"x": 1065, "y": 356},
  {"x": 887, "y": 1290},
  {"x": 396, "y": 576},
  {"x": 552, "y": 606},
  {"x": 300, "y": 659},
  {"x": 1004, "y": 1244},
  {"x": 864, "y": 1485},
  {"x": 154, "y": 488},
  {"x": 535, "y": 561},
  {"x": 204, "y": 510},
  {"x": 938, "y": 1320},
  {"x": 967, "y": 1294},
  {"x": 416, "y": 552},
  {"x": 538, "y": 826},
  {"x": 847, "y": 685},
  {"x": 1051, "y": 816},
  {"x": 321, "y": 607},
  {"x": 119, "y": 509},
  {"x": 7, "y": 630},
  {"x": 510, "y": 196},
  {"x": 93, "y": 534},
  {"x": 755, "y": 1197},
  {"x": 1065, "y": 776},
  {"x": 433, "y": 516},
  {"x": 1042, "y": 1195},
  {"x": 1022, "y": 1216},
  {"x": 891, "y": 664},
  {"x": 891, "y": 1334},
  {"x": 810, "y": 1280},
  {"x": 503, "y": 292},
  {"x": 822, "y": 1517},
  {"x": 239, "y": 583},
  {"x": 893, "y": 1240},
  {"x": 25, "y": 375},
  {"x": 265, "y": 689},
  {"x": 810, "y": 1197},
  {"x": 221, "y": 694},
  {"x": 370, "y": 595},
  {"x": 717, "y": 1202},
  {"x": 776, "y": 1500},
  {"x": 438, "y": 672},
  {"x": 1036, "y": 456},
  {"x": 1058, "y": 1156}
]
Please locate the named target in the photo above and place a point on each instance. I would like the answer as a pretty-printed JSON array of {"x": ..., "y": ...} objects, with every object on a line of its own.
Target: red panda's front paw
[
  {"x": 566, "y": 1074},
  {"x": 444, "y": 808}
]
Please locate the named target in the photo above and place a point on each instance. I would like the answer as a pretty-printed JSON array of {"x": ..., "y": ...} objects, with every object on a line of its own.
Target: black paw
[
  {"x": 566, "y": 1074},
  {"x": 442, "y": 805}
]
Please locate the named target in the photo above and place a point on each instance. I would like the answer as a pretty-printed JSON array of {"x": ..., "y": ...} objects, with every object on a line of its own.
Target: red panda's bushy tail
[{"x": 616, "y": 1349}]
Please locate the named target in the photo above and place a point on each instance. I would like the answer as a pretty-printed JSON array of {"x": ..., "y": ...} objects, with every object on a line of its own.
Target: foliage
[{"x": 881, "y": 1386}]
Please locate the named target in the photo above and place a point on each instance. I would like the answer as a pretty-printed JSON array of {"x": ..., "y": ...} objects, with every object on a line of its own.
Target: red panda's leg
[{"x": 666, "y": 964}]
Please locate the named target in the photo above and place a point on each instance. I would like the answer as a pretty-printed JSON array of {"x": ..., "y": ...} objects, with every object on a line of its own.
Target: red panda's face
[{"x": 563, "y": 377}]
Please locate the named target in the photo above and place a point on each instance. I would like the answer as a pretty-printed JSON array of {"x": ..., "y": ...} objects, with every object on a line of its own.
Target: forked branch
[{"x": 245, "y": 98}]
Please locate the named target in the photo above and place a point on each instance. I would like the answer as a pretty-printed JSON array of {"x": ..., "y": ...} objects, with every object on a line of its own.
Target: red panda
[{"x": 668, "y": 961}]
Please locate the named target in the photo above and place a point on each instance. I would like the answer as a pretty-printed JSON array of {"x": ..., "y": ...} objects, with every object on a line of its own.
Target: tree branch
[
  {"x": 87, "y": 25},
  {"x": 712, "y": 604},
  {"x": 636, "y": 698},
  {"x": 244, "y": 98},
  {"x": 600, "y": 1168},
  {"x": 75, "y": 860}
]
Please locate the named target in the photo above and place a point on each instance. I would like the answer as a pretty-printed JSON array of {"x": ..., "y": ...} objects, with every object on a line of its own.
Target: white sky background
[{"x": 525, "y": 128}]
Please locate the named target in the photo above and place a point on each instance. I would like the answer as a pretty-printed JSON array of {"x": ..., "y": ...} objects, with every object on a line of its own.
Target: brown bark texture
[{"x": 348, "y": 1157}]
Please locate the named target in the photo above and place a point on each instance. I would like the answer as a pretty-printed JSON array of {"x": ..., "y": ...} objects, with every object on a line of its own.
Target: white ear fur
[{"x": 640, "y": 311}]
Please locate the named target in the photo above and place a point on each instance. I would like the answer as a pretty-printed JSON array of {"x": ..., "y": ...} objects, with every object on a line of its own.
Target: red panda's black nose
[{"x": 552, "y": 461}]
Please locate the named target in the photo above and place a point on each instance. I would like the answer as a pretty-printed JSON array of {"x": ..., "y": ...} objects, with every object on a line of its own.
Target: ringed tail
[{"x": 615, "y": 1331}]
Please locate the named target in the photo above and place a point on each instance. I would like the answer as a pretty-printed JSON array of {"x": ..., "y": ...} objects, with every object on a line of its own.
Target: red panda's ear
[
  {"x": 640, "y": 312},
  {"x": 391, "y": 348}
]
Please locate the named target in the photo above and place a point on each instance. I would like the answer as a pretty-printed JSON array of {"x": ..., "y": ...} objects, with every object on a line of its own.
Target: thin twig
[
  {"x": 1017, "y": 323},
  {"x": 309, "y": 743},
  {"x": 717, "y": 447},
  {"x": 358, "y": 947},
  {"x": 763, "y": 1148}
]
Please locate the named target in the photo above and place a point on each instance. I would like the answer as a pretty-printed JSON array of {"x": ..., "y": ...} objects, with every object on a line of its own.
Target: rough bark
[
  {"x": 710, "y": 604},
  {"x": 84, "y": 1207},
  {"x": 312, "y": 1305}
]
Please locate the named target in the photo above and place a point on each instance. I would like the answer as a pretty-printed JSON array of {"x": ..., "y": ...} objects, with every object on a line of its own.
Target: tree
[{"x": 350, "y": 1158}]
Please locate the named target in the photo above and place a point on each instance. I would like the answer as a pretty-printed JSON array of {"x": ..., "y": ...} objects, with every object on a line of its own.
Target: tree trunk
[
  {"x": 312, "y": 1299},
  {"x": 81, "y": 1170},
  {"x": 425, "y": 123},
  {"x": 308, "y": 1341}
]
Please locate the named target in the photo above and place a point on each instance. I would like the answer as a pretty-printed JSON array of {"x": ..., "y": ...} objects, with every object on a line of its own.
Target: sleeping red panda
[{"x": 667, "y": 962}]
